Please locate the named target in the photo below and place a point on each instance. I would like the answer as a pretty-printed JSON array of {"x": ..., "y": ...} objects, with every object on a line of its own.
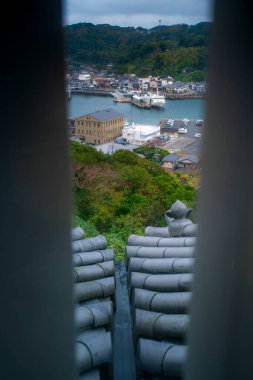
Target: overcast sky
[{"x": 145, "y": 13}]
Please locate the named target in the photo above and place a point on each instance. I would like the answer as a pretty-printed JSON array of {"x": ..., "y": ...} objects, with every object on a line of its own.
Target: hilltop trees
[
  {"x": 178, "y": 50},
  {"x": 120, "y": 194}
]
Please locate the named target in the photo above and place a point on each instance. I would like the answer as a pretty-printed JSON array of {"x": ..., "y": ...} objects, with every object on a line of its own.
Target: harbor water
[{"x": 80, "y": 104}]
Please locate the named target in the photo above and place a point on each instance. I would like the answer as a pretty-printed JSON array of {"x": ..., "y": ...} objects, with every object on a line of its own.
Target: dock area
[
  {"x": 108, "y": 92},
  {"x": 91, "y": 91}
]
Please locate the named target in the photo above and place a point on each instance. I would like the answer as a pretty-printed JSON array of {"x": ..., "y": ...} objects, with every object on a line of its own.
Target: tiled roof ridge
[
  {"x": 94, "y": 289},
  {"x": 160, "y": 292},
  {"x": 157, "y": 274}
]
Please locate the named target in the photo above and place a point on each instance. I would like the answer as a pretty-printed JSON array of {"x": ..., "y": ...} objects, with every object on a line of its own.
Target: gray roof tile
[
  {"x": 106, "y": 114},
  {"x": 170, "y": 158}
]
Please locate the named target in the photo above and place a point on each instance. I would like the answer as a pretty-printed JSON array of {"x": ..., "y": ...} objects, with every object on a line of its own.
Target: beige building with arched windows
[{"x": 98, "y": 127}]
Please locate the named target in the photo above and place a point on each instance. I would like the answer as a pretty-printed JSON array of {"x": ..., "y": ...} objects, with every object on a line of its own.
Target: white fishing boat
[{"x": 157, "y": 101}]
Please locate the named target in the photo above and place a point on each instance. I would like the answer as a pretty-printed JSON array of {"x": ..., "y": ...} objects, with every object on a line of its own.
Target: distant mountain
[{"x": 179, "y": 50}]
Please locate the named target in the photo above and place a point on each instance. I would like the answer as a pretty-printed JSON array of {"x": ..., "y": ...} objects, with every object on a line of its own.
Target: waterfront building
[
  {"x": 98, "y": 127},
  {"x": 140, "y": 134},
  {"x": 84, "y": 77},
  {"x": 178, "y": 87}
]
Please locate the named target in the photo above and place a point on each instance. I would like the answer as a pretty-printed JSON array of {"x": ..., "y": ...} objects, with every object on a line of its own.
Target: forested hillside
[
  {"x": 179, "y": 50},
  {"x": 120, "y": 194}
]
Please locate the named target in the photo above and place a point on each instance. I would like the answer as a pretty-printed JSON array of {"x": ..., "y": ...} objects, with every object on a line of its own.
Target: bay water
[{"x": 80, "y": 104}]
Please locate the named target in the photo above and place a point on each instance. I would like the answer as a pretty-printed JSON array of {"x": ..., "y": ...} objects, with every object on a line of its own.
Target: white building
[
  {"x": 85, "y": 77},
  {"x": 139, "y": 134}
]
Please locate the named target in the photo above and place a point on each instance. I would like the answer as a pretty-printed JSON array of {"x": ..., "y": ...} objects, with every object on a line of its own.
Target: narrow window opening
[{"x": 145, "y": 87}]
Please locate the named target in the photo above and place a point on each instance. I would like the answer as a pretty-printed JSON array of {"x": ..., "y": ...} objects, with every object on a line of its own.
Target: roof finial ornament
[{"x": 176, "y": 218}]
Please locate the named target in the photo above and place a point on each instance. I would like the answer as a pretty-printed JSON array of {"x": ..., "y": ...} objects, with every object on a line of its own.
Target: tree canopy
[
  {"x": 177, "y": 50},
  {"x": 121, "y": 194}
]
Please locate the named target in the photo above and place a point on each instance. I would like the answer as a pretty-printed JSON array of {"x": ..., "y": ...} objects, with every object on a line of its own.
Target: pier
[{"x": 90, "y": 91}]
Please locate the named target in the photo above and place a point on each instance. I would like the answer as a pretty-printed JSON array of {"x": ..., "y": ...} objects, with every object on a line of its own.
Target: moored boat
[
  {"x": 141, "y": 100},
  {"x": 157, "y": 101}
]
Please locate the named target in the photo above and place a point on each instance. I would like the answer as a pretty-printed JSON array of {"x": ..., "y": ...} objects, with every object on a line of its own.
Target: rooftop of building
[
  {"x": 102, "y": 115},
  {"x": 106, "y": 114}
]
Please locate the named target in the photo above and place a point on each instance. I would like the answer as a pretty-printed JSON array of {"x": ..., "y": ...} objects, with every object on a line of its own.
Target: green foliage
[
  {"x": 167, "y": 50},
  {"x": 86, "y": 154},
  {"x": 126, "y": 225},
  {"x": 83, "y": 202},
  {"x": 195, "y": 76},
  {"x": 89, "y": 228},
  {"x": 122, "y": 228},
  {"x": 124, "y": 194},
  {"x": 125, "y": 157},
  {"x": 103, "y": 218},
  {"x": 117, "y": 244},
  {"x": 152, "y": 153}
]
